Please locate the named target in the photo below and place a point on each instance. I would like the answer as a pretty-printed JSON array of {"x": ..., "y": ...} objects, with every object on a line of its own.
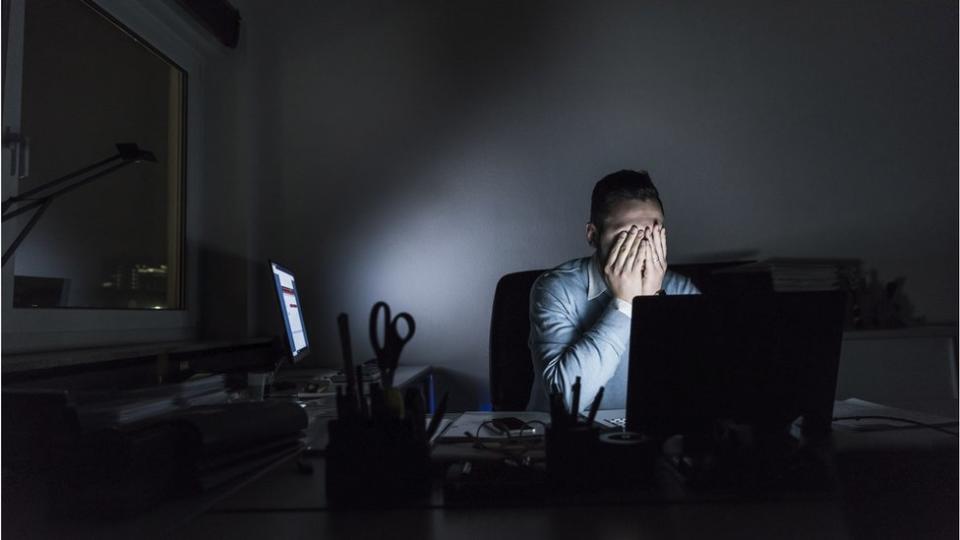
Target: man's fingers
[
  {"x": 657, "y": 246},
  {"x": 615, "y": 250},
  {"x": 629, "y": 247},
  {"x": 634, "y": 255},
  {"x": 642, "y": 256},
  {"x": 663, "y": 244}
]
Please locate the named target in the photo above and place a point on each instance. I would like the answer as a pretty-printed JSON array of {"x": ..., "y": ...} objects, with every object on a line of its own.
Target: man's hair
[{"x": 620, "y": 186}]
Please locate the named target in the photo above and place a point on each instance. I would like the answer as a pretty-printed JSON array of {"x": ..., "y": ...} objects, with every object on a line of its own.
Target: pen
[
  {"x": 413, "y": 401},
  {"x": 378, "y": 403},
  {"x": 343, "y": 323},
  {"x": 558, "y": 411},
  {"x": 575, "y": 407},
  {"x": 437, "y": 415},
  {"x": 340, "y": 412},
  {"x": 595, "y": 406},
  {"x": 555, "y": 412},
  {"x": 363, "y": 399}
]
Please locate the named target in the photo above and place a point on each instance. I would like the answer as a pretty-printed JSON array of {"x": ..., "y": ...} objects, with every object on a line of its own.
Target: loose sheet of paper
[
  {"x": 471, "y": 422},
  {"x": 860, "y": 407}
]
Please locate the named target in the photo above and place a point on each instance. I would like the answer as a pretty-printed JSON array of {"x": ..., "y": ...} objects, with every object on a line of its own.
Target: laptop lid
[{"x": 762, "y": 359}]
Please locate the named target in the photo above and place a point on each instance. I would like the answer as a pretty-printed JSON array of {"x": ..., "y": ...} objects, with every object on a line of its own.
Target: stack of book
[
  {"x": 207, "y": 390},
  {"x": 109, "y": 454},
  {"x": 797, "y": 275},
  {"x": 106, "y": 409},
  {"x": 130, "y": 468}
]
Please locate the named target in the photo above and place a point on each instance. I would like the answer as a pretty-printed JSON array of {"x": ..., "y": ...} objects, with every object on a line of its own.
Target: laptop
[{"x": 763, "y": 359}]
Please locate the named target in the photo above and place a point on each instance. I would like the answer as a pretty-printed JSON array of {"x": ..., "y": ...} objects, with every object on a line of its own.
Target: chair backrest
[{"x": 511, "y": 366}]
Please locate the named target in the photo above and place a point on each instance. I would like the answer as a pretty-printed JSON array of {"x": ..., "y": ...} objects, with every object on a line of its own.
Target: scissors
[{"x": 388, "y": 350}]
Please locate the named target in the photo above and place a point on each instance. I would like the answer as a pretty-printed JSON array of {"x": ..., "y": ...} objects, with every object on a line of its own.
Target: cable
[
  {"x": 897, "y": 419},
  {"x": 514, "y": 448}
]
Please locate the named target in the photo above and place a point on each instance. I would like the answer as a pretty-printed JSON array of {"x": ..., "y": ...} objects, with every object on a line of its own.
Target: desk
[
  {"x": 894, "y": 484},
  {"x": 320, "y": 411},
  {"x": 406, "y": 376},
  {"x": 29, "y": 521}
]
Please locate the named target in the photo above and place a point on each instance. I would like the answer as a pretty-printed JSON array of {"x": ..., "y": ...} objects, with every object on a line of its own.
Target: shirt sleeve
[
  {"x": 689, "y": 287},
  {"x": 562, "y": 352},
  {"x": 624, "y": 307},
  {"x": 680, "y": 284}
]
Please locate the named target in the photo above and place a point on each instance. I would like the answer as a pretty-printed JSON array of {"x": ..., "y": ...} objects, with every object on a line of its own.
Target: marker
[
  {"x": 343, "y": 323},
  {"x": 437, "y": 416},
  {"x": 575, "y": 408},
  {"x": 362, "y": 398},
  {"x": 558, "y": 414},
  {"x": 595, "y": 406},
  {"x": 415, "y": 414}
]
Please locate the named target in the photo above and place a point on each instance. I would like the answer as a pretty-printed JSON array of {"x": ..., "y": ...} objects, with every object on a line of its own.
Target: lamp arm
[
  {"x": 26, "y": 230},
  {"x": 29, "y": 193},
  {"x": 61, "y": 191},
  {"x": 128, "y": 152},
  {"x": 25, "y": 208}
]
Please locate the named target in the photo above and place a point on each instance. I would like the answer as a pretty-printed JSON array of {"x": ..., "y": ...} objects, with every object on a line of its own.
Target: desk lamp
[{"x": 127, "y": 153}]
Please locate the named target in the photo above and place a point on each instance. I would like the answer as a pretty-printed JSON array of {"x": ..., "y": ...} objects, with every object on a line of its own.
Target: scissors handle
[
  {"x": 379, "y": 347},
  {"x": 411, "y": 329}
]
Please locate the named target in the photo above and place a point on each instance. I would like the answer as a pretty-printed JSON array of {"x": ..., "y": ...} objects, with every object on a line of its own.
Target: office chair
[{"x": 511, "y": 366}]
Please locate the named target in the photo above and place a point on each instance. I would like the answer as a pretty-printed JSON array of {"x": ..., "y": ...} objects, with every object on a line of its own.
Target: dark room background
[{"x": 415, "y": 152}]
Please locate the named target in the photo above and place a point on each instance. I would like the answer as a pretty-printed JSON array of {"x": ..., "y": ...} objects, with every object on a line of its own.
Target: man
[{"x": 580, "y": 311}]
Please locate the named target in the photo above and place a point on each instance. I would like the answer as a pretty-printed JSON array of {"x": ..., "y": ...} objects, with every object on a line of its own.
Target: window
[
  {"x": 89, "y": 83},
  {"x": 163, "y": 36}
]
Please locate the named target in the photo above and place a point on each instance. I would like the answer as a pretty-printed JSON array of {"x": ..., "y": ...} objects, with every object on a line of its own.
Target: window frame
[{"x": 161, "y": 27}]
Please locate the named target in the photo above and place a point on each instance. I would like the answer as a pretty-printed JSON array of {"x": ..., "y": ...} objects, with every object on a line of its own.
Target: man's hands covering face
[
  {"x": 637, "y": 263},
  {"x": 654, "y": 253}
]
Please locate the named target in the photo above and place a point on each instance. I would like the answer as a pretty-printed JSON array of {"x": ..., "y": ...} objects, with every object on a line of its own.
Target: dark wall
[{"x": 415, "y": 152}]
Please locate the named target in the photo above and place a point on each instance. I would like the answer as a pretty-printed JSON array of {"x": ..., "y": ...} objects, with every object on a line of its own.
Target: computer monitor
[
  {"x": 290, "y": 312},
  {"x": 762, "y": 359}
]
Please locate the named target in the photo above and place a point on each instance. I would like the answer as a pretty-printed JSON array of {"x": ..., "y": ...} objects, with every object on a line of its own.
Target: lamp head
[{"x": 132, "y": 152}]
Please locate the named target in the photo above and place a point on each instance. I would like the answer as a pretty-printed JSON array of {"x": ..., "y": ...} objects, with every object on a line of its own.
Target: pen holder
[
  {"x": 627, "y": 459},
  {"x": 376, "y": 463},
  {"x": 572, "y": 456},
  {"x": 580, "y": 458}
]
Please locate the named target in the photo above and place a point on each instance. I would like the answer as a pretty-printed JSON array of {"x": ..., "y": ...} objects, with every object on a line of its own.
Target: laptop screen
[{"x": 292, "y": 314}]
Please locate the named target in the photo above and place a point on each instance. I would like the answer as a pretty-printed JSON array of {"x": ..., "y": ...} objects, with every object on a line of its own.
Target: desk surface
[
  {"x": 892, "y": 484},
  {"x": 175, "y": 513}
]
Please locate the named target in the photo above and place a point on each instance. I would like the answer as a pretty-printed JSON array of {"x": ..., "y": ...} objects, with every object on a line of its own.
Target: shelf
[
  {"x": 13, "y": 363},
  {"x": 903, "y": 333}
]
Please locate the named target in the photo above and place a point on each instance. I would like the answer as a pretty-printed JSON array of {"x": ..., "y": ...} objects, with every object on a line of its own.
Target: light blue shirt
[{"x": 578, "y": 329}]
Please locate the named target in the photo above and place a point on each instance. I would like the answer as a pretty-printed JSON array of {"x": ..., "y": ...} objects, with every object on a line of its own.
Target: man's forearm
[{"x": 593, "y": 355}]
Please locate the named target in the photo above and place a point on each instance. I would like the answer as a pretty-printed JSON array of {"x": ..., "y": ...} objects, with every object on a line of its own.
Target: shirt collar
[{"x": 595, "y": 283}]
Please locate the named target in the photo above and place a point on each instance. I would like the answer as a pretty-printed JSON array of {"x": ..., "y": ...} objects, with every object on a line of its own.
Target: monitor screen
[{"x": 290, "y": 311}]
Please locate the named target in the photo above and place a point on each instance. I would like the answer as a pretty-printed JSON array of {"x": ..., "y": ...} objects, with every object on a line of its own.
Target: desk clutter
[
  {"x": 379, "y": 447},
  {"x": 576, "y": 456},
  {"x": 103, "y": 459},
  {"x": 580, "y": 457}
]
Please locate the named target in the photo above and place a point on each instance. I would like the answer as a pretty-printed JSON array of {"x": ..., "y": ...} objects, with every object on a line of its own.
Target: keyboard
[{"x": 617, "y": 422}]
